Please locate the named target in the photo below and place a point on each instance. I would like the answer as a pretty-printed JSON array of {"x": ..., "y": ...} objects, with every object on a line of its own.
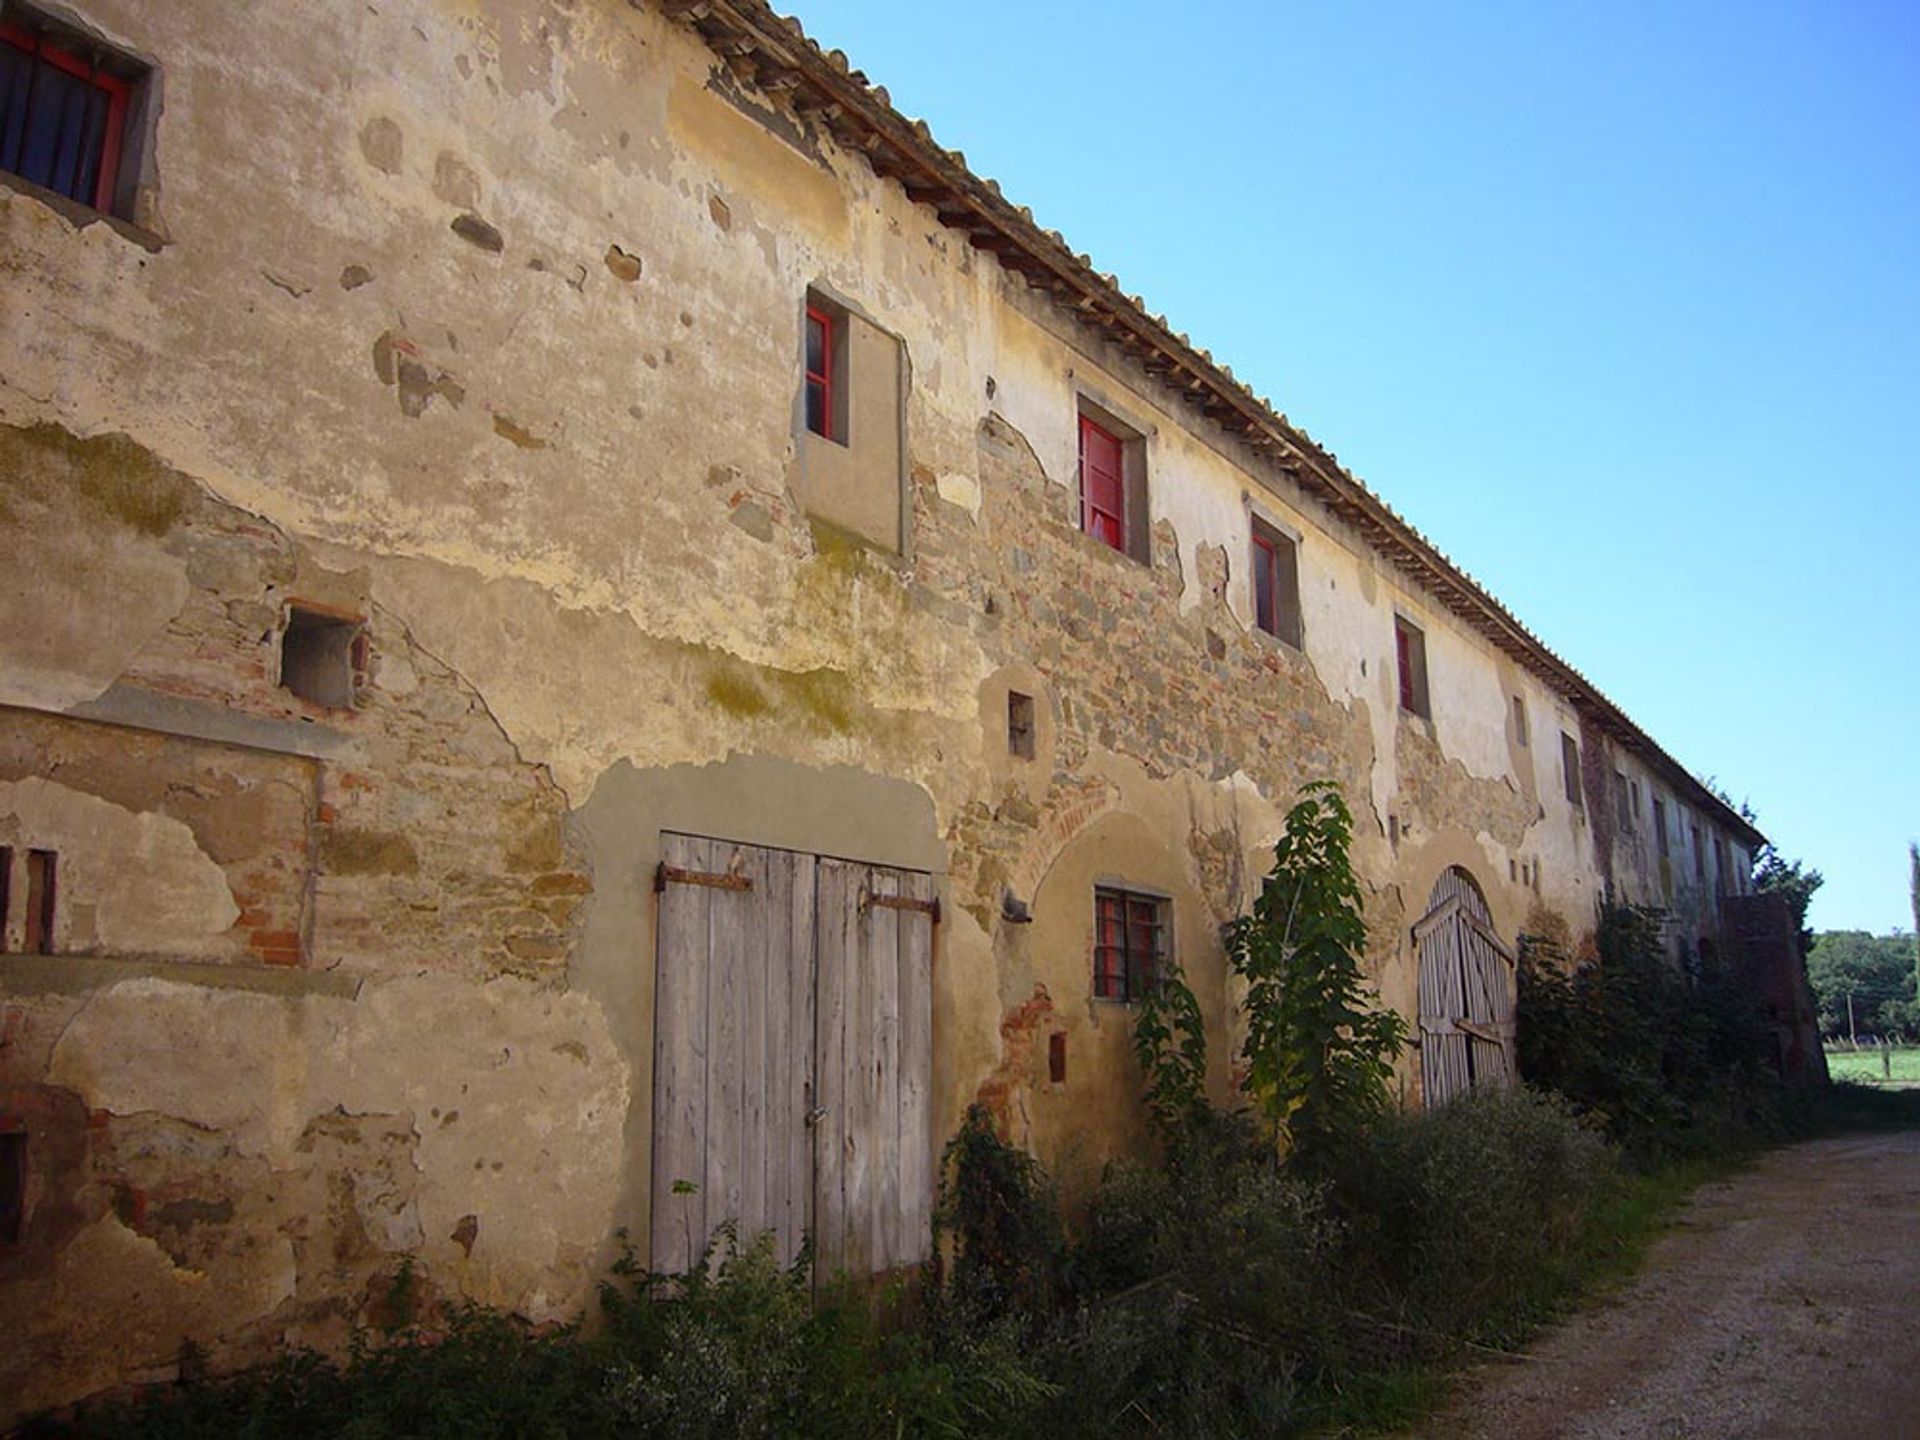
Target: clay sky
[{"x": 1619, "y": 303}]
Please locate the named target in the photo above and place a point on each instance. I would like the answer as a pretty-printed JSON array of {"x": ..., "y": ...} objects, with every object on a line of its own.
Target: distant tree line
[{"x": 1876, "y": 971}]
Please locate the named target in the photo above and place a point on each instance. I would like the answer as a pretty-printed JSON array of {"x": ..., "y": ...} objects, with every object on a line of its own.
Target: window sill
[
  {"x": 80, "y": 216},
  {"x": 1125, "y": 556},
  {"x": 1276, "y": 643}
]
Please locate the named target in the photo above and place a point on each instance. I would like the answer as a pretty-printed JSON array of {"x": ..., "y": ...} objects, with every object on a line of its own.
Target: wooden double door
[
  {"x": 1466, "y": 993},
  {"x": 793, "y": 1055}
]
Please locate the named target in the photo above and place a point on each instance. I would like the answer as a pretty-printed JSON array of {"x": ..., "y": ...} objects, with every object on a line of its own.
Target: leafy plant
[
  {"x": 1319, "y": 1052},
  {"x": 1774, "y": 874},
  {"x": 1004, "y": 1220},
  {"x": 1170, "y": 1040},
  {"x": 1668, "y": 1062}
]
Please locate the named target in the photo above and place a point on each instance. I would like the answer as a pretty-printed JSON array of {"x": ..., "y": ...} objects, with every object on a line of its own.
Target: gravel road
[{"x": 1784, "y": 1303}]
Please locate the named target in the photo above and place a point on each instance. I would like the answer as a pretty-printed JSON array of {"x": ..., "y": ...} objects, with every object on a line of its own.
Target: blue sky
[{"x": 1619, "y": 303}]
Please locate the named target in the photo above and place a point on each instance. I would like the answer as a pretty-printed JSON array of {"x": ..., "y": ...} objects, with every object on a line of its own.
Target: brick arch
[{"x": 1060, "y": 826}]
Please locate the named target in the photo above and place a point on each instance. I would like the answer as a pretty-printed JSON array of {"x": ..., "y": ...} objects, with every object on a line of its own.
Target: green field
[{"x": 1864, "y": 1065}]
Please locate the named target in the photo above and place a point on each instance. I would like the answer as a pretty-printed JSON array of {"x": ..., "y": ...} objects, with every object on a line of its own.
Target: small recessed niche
[
  {"x": 43, "y": 867},
  {"x": 323, "y": 658},
  {"x": 1020, "y": 739},
  {"x": 13, "y": 1186},
  {"x": 1057, "y": 1057}
]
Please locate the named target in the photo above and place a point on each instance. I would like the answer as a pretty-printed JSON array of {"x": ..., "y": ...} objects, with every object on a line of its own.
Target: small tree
[
  {"x": 1319, "y": 1052},
  {"x": 1791, "y": 879}
]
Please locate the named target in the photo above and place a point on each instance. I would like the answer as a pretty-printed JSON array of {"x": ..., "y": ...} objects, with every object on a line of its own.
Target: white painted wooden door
[
  {"x": 1466, "y": 993},
  {"x": 792, "y": 1055}
]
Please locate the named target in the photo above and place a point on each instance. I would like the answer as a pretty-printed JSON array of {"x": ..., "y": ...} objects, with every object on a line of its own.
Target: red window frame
[
  {"x": 1266, "y": 584},
  {"x": 1403, "y": 649},
  {"x": 1129, "y": 943},
  {"x": 821, "y": 379},
  {"x": 117, "y": 91},
  {"x": 1103, "y": 516}
]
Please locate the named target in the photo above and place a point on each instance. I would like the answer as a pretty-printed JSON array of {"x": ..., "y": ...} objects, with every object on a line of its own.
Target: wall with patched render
[{"x": 482, "y": 322}]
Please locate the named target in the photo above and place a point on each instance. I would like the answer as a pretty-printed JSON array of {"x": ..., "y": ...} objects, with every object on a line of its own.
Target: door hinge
[
  {"x": 665, "y": 875},
  {"x": 902, "y": 902}
]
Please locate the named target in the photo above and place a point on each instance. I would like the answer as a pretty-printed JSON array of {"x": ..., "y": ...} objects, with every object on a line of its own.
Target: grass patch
[{"x": 1870, "y": 1065}]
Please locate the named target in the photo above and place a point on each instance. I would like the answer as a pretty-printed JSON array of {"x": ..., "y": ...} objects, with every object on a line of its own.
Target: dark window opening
[
  {"x": 1020, "y": 734},
  {"x": 64, "y": 108},
  {"x": 323, "y": 658},
  {"x": 42, "y": 884},
  {"x": 1699, "y": 855},
  {"x": 1276, "y": 584},
  {"x": 1570, "y": 768},
  {"x": 1660, "y": 825},
  {"x": 1129, "y": 944},
  {"x": 1410, "y": 648},
  {"x": 13, "y": 1186},
  {"x": 1623, "y": 801},
  {"x": 1057, "y": 1057},
  {"x": 6, "y": 894},
  {"x": 1520, "y": 722}
]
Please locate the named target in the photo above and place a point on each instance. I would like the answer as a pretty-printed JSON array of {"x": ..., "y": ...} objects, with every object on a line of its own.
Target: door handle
[{"x": 814, "y": 1117}]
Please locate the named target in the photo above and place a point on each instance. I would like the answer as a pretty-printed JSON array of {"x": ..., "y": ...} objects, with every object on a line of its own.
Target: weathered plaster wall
[{"x": 481, "y": 322}]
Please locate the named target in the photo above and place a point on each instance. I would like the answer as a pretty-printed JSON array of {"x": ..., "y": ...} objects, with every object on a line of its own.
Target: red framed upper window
[
  {"x": 820, "y": 373},
  {"x": 1410, "y": 653},
  {"x": 1103, "y": 486},
  {"x": 1129, "y": 943},
  {"x": 1276, "y": 584},
  {"x": 63, "y": 118}
]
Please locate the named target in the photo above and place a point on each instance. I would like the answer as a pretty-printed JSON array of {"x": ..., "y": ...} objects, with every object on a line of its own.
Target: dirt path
[{"x": 1784, "y": 1303}]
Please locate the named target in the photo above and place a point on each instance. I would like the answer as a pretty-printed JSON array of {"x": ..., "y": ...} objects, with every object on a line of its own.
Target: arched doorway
[{"x": 1466, "y": 992}]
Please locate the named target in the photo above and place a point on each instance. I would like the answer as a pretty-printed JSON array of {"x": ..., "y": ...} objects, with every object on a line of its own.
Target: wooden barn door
[
  {"x": 733, "y": 1046},
  {"x": 1466, "y": 993},
  {"x": 873, "y": 1189},
  {"x": 792, "y": 1055}
]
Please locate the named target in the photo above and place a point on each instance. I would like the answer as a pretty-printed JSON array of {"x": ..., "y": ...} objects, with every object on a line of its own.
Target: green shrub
[
  {"x": 1003, "y": 1219},
  {"x": 1671, "y": 1062},
  {"x": 1464, "y": 1216}
]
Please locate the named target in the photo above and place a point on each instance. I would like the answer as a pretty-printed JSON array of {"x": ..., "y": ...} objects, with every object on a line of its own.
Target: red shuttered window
[
  {"x": 62, "y": 118},
  {"x": 819, "y": 373},
  {"x": 1129, "y": 943},
  {"x": 1103, "y": 489},
  {"x": 1276, "y": 584},
  {"x": 1410, "y": 650}
]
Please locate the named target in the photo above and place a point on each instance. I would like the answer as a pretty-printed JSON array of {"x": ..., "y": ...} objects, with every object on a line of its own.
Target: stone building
[{"x": 599, "y": 634}]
